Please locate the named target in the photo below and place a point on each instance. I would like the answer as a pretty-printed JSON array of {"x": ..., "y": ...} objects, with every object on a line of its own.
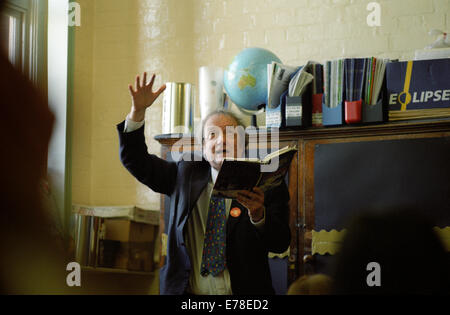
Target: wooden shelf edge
[
  {"x": 117, "y": 271},
  {"x": 397, "y": 127}
]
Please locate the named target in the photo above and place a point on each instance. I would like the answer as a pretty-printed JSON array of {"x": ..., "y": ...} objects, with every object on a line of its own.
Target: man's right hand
[{"x": 143, "y": 97}]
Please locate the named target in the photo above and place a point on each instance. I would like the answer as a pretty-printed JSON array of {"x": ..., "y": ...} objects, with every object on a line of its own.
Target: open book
[{"x": 245, "y": 174}]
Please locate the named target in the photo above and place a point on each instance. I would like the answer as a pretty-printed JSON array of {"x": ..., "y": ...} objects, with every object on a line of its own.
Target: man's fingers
[
  {"x": 246, "y": 193},
  {"x": 259, "y": 193},
  {"x": 248, "y": 202},
  {"x": 138, "y": 83},
  {"x": 144, "y": 82},
  {"x": 251, "y": 195},
  {"x": 152, "y": 81},
  {"x": 243, "y": 202},
  {"x": 130, "y": 87},
  {"x": 242, "y": 197},
  {"x": 161, "y": 89},
  {"x": 258, "y": 190},
  {"x": 251, "y": 206}
]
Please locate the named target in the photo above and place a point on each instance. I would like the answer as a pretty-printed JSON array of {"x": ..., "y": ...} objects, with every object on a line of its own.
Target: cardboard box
[
  {"x": 148, "y": 216},
  {"x": 135, "y": 256},
  {"x": 137, "y": 244},
  {"x": 418, "y": 89},
  {"x": 108, "y": 253},
  {"x": 121, "y": 261},
  {"x": 133, "y": 213},
  {"x": 140, "y": 256},
  {"x": 129, "y": 231}
]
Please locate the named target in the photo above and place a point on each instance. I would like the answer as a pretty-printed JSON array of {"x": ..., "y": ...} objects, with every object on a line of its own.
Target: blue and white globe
[{"x": 245, "y": 80}]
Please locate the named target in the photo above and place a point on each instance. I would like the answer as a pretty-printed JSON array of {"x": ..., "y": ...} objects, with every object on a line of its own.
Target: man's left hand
[{"x": 254, "y": 202}]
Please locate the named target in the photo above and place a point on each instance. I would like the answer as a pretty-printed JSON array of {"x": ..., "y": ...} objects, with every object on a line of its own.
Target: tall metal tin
[{"x": 178, "y": 108}]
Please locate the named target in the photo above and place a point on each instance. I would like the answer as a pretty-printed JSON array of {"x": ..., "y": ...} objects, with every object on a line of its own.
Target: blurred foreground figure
[
  {"x": 410, "y": 256},
  {"x": 318, "y": 284},
  {"x": 32, "y": 261}
]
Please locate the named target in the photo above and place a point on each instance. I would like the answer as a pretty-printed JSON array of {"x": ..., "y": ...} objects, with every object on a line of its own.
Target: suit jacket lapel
[{"x": 199, "y": 178}]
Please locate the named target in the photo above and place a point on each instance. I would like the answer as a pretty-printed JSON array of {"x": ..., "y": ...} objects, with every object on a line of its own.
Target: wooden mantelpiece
[
  {"x": 391, "y": 128},
  {"x": 301, "y": 175}
]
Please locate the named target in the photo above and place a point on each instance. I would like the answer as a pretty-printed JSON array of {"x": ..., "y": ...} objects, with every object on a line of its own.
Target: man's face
[{"x": 221, "y": 139}]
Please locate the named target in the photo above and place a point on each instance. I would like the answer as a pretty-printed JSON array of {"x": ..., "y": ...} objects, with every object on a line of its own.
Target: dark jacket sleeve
[
  {"x": 276, "y": 233},
  {"x": 154, "y": 172}
]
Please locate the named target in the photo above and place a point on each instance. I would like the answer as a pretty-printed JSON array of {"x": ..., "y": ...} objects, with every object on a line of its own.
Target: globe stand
[
  {"x": 253, "y": 113},
  {"x": 254, "y": 121}
]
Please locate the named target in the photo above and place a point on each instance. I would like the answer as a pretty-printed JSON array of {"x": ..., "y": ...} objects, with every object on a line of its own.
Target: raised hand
[{"x": 143, "y": 96}]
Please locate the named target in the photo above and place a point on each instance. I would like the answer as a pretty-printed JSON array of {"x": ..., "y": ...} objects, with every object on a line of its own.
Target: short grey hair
[{"x": 218, "y": 112}]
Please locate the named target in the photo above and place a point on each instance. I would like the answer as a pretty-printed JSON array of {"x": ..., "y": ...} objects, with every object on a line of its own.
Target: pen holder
[
  {"x": 298, "y": 110},
  {"x": 332, "y": 116},
  {"x": 294, "y": 111},
  {"x": 353, "y": 112},
  {"x": 316, "y": 115},
  {"x": 373, "y": 113},
  {"x": 275, "y": 117}
]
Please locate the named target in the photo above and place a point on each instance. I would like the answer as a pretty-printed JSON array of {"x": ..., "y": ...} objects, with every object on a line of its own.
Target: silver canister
[
  {"x": 178, "y": 108},
  {"x": 82, "y": 239},
  {"x": 86, "y": 239}
]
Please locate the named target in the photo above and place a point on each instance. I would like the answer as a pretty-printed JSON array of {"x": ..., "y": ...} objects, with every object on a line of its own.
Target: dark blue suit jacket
[{"x": 246, "y": 246}]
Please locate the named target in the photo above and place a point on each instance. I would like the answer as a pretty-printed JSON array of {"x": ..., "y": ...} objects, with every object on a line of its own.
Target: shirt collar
[{"x": 214, "y": 174}]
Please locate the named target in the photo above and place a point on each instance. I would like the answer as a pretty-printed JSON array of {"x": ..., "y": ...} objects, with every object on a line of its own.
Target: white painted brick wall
[
  {"x": 338, "y": 27},
  {"x": 123, "y": 38}
]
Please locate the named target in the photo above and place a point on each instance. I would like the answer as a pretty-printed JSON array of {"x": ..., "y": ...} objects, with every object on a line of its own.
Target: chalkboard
[{"x": 351, "y": 178}]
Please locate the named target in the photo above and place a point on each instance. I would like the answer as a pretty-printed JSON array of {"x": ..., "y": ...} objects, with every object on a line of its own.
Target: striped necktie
[{"x": 213, "y": 257}]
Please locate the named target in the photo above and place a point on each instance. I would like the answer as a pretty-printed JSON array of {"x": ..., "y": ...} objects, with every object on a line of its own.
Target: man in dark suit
[{"x": 214, "y": 246}]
